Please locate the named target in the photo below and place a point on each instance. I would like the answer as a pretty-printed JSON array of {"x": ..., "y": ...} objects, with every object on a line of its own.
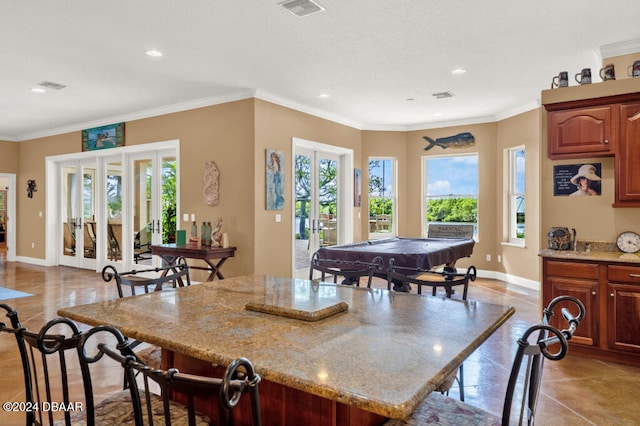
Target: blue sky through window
[{"x": 452, "y": 175}]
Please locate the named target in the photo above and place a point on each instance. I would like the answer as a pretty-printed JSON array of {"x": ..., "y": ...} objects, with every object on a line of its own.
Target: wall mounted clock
[{"x": 628, "y": 242}]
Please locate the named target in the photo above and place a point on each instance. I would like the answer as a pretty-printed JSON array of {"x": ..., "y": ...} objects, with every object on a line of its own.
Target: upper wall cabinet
[
  {"x": 582, "y": 132},
  {"x": 600, "y": 127},
  {"x": 628, "y": 159}
]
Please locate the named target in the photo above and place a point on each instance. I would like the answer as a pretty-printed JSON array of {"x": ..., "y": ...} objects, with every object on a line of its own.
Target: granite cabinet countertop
[{"x": 592, "y": 255}]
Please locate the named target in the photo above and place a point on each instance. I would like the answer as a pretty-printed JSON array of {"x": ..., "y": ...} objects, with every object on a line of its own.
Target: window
[
  {"x": 516, "y": 195},
  {"x": 451, "y": 190},
  {"x": 382, "y": 197}
]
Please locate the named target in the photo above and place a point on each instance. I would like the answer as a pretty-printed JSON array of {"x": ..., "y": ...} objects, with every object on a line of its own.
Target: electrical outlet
[
  {"x": 185, "y": 217},
  {"x": 499, "y": 258},
  {"x": 33, "y": 245},
  {"x": 278, "y": 218},
  {"x": 488, "y": 258}
]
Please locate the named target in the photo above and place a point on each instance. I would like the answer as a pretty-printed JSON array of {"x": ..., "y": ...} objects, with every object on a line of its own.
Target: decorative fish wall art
[{"x": 461, "y": 140}]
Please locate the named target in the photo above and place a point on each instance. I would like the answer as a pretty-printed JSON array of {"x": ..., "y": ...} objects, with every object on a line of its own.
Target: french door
[
  {"x": 113, "y": 206},
  {"x": 78, "y": 214},
  {"x": 153, "y": 214},
  {"x": 318, "y": 206}
]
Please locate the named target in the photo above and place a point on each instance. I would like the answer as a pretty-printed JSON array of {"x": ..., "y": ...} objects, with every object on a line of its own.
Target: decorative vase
[{"x": 203, "y": 234}]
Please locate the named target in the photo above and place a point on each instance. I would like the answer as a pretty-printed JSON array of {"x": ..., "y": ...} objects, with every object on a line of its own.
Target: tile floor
[{"x": 575, "y": 391}]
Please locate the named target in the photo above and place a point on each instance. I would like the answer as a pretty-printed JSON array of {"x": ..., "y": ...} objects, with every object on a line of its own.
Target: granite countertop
[
  {"x": 384, "y": 354},
  {"x": 597, "y": 251}
]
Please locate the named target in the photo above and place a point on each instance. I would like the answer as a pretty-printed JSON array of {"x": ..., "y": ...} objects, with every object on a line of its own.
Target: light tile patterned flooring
[{"x": 575, "y": 391}]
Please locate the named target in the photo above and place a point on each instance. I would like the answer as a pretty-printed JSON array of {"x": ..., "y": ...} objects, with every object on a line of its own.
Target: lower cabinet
[
  {"x": 623, "y": 305},
  {"x": 611, "y": 295},
  {"x": 579, "y": 280}
]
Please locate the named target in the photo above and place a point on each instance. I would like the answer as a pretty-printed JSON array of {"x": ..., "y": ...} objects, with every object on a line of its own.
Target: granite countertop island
[{"x": 383, "y": 352}]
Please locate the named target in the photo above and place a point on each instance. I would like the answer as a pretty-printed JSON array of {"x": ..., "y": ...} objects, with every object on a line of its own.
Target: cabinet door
[
  {"x": 582, "y": 132},
  {"x": 628, "y": 160},
  {"x": 623, "y": 307},
  {"x": 584, "y": 290}
]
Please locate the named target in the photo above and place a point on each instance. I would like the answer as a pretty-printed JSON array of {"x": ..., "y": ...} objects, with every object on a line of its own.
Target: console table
[{"x": 170, "y": 252}]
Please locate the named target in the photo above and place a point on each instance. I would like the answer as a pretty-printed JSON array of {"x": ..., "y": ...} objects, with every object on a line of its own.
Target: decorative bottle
[
  {"x": 203, "y": 234},
  {"x": 208, "y": 236}
]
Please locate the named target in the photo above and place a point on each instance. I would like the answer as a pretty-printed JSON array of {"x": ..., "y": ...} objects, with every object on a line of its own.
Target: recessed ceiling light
[
  {"x": 324, "y": 95},
  {"x": 154, "y": 53},
  {"x": 38, "y": 90},
  {"x": 437, "y": 114},
  {"x": 458, "y": 71}
]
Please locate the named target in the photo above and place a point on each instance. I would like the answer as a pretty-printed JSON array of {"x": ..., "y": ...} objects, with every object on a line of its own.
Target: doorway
[
  {"x": 323, "y": 184},
  {"x": 7, "y": 215}
]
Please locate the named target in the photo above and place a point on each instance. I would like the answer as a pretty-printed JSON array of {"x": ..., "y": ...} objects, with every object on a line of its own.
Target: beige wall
[
  {"x": 275, "y": 126},
  {"x": 485, "y": 145},
  {"x": 235, "y": 135},
  {"x": 9, "y": 157},
  {"x": 523, "y": 129},
  {"x": 386, "y": 144}
]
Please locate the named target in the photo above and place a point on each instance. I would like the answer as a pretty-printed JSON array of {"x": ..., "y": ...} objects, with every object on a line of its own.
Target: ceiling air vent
[
  {"x": 302, "y": 8},
  {"x": 442, "y": 95},
  {"x": 51, "y": 85}
]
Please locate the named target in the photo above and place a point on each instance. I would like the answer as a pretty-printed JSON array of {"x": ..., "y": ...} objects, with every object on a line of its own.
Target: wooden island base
[{"x": 281, "y": 405}]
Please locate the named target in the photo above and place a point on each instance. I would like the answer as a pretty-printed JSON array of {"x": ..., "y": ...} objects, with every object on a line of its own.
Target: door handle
[{"x": 313, "y": 226}]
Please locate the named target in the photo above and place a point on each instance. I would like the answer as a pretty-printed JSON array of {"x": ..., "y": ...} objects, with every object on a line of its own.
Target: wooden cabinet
[
  {"x": 600, "y": 127},
  {"x": 628, "y": 159},
  {"x": 611, "y": 295},
  {"x": 582, "y": 132},
  {"x": 579, "y": 280},
  {"x": 623, "y": 308}
]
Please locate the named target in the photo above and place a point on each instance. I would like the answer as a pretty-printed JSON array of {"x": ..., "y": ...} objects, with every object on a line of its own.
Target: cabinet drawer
[
  {"x": 626, "y": 274},
  {"x": 572, "y": 269}
]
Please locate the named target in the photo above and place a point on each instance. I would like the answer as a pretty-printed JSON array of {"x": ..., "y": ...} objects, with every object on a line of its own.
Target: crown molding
[
  {"x": 138, "y": 115},
  {"x": 621, "y": 48},
  {"x": 269, "y": 97}
]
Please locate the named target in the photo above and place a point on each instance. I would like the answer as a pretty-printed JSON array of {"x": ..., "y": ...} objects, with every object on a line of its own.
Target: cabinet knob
[
  {"x": 612, "y": 295},
  {"x": 593, "y": 292},
  {"x": 606, "y": 141}
]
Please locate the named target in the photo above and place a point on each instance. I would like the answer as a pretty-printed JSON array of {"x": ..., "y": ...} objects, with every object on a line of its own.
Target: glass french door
[
  {"x": 317, "y": 223},
  {"x": 154, "y": 204},
  {"x": 78, "y": 214}
]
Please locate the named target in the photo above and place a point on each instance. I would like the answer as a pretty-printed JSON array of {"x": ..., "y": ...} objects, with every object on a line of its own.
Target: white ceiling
[{"x": 369, "y": 55}]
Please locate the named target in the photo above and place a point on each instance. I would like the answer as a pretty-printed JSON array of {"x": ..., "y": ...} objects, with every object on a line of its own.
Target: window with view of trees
[
  {"x": 516, "y": 195},
  {"x": 451, "y": 190},
  {"x": 382, "y": 198}
]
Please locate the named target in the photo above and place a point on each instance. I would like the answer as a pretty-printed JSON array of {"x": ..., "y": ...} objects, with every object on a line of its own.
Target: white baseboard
[
  {"x": 511, "y": 279},
  {"x": 31, "y": 260}
]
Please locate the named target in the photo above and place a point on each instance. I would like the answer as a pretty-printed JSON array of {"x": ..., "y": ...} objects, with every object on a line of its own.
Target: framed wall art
[
  {"x": 275, "y": 180},
  {"x": 577, "y": 179},
  {"x": 103, "y": 137}
]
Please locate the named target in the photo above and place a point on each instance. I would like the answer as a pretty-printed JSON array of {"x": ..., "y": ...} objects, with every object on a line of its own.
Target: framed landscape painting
[{"x": 103, "y": 137}]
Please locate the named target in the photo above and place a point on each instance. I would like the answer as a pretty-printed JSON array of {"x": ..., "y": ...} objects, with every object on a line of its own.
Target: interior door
[
  {"x": 317, "y": 222},
  {"x": 78, "y": 214}
]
